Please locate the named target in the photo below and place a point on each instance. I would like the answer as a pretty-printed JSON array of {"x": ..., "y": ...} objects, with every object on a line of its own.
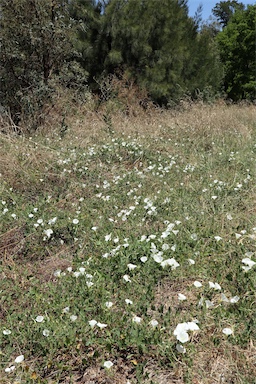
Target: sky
[{"x": 208, "y": 5}]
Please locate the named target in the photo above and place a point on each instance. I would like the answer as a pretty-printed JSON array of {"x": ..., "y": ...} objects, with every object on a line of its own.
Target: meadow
[{"x": 127, "y": 248}]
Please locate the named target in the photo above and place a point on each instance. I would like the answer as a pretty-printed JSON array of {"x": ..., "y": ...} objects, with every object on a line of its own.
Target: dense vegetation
[
  {"x": 127, "y": 230},
  {"x": 155, "y": 45},
  {"x": 127, "y": 254}
]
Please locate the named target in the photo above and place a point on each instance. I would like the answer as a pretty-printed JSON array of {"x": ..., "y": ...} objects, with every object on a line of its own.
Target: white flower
[
  {"x": 109, "y": 304},
  {"x": 229, "y": 217},
  {"x": 217, "y": 238},
  {"x": 128, "y": 301},
  {"x": 48, "y": 232},
  {"x": 127, "y": 278},
  {"x": 92, "y": 323},
  {"x": 181, "y": 331},
  {"x": 57, "y": 273},
  {"x": 234, "y": 299},
  {"x": 215, "y": 286},
  {"x": 137, "y": 319},
  {"x": 143, "y": 259},
  {"x": 197, "y": 284},
  {"x": 180, "y": 348},
  {"x": 46, "y": 332},
  {"x": 101, "y": 325},
  {"x": 191, "y": 261},
  {"x": 131, "y": 266},
  {"x": 39, "y": 319},
  {"x": 170, "y": 262},
  {"x": 227, "y": 331},
  {"x": 10, "y": 369},
  {"x": 19, "y": 359},
  {"x": 192, "y": 326},
  {"x": 75, "y": 221},
  {"x": 224, "y": 298},
  {"x": 7, "y": 332},
  {"x": 182, "y": 335},
  {"x": 52, "y": 221},
  {"x": 201, "y": 301},
  {"x": 208, "y": 304},
  {"x": 158, "y": 257},
  {"x": 154, "y": 323},
  {"x": 108, "y": 237},
  {"x": 73, "y": 317},
  {"x": 182, "y": 297},
  {"x": 82, "y": 270},
  {"x": 94, "y": 228},
  {"x": 249, "y": 263},
  {"x": 108, "y": 364},
  {"x": 165, "y": 234},
  {"x": 194, "y": 236}
]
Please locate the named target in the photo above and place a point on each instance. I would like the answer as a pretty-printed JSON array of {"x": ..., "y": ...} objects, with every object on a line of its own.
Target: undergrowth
[{"x": 128, "y": 252}]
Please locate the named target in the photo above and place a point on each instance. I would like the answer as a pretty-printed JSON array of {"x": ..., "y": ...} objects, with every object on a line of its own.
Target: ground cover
[{"x": 128, "y": 249}]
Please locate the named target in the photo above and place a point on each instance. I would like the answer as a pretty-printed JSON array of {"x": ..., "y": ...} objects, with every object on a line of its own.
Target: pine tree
[
  {"x": 153, "y": 42},
  {"x": 224, "y": 10},
  {"x": 91, "y": 43}
]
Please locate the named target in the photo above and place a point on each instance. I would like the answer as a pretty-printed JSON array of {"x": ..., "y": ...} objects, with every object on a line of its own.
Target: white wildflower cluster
[
  {"x": 158, "y": 258},
  {"x": 182, "y": 329},
  {"x": 80, "y": 272},
  {"x": 18, "y": 360},
  {"x": 94, "y": 323},
  {"x": 249, "y": 263},
  {"x": 149, "y": 207}
]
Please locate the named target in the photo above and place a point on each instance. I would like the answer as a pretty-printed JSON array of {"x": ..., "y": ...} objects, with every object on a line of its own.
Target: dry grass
[{"x": 86, "y": 126}]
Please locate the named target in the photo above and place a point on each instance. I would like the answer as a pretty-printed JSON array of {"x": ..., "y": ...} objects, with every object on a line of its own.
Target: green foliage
[
  {"x": 203, "y": 70},
  {"x": 237, "y": 49},
  {"x": 154, "y": 43},
  {"x": 35, "y": 41},
  {"x": 90, "y": 42},
  {"x": 224, "y": 10}
]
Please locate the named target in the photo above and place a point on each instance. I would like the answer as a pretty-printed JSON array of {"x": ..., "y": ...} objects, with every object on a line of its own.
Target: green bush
[{"x": 35, "y": 42}]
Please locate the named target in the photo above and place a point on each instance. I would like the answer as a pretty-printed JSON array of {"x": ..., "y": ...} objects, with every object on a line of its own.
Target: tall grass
[{"x": 128, "y": 248}]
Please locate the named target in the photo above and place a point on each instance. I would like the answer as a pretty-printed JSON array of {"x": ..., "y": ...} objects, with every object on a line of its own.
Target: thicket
[
  {"x": 153, "y": 44},
  {"x": 237, "y": 51},
  {"x": 35, "y": 41}
]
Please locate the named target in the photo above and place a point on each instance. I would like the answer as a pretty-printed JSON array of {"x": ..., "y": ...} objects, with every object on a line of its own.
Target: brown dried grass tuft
[
  {"x": 159, "y": 375},
  {"x": 166, "y": 296},
  {"x": 223, "y": 364},
  {"x": 201, "y": 122},
  {"x": 45, "y": 268},
  {"x": 12, "y": 243}
]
